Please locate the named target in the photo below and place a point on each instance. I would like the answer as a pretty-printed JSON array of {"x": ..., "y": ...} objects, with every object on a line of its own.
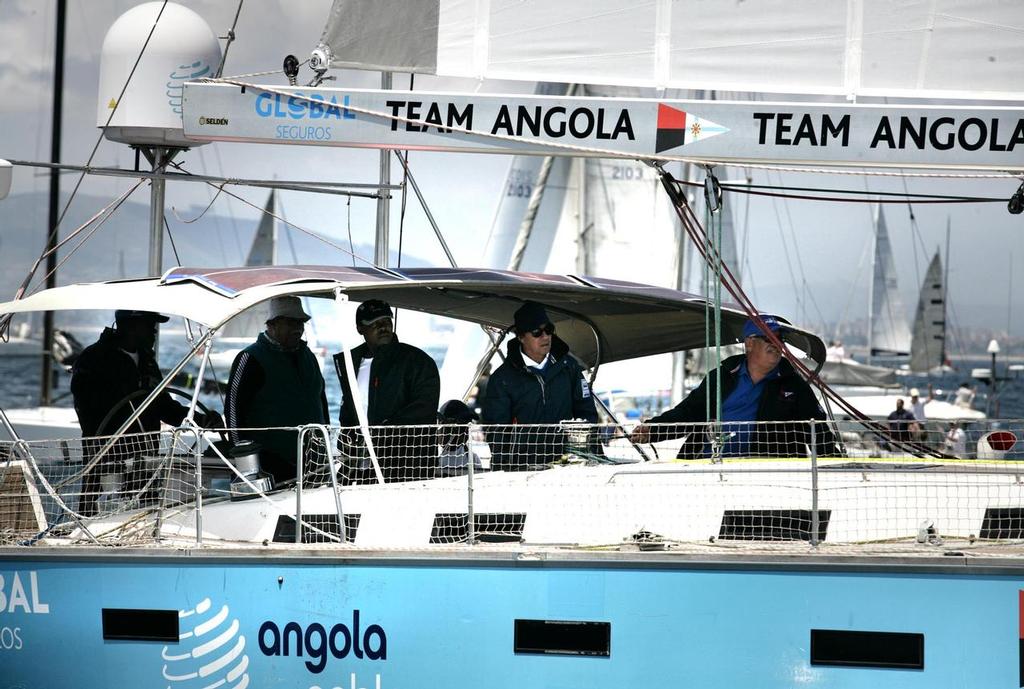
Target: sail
[
  {"x": 629, "y": 225},
  {"x": 941, "y": 49},
  {"x": 928, "y": 345},
  {"x": 261, "y": 253},
  {"x": 890, "y": 334},
  {"x": 849, "y": 372}
]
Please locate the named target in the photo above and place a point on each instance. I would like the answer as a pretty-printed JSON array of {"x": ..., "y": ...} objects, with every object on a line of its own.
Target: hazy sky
[{"x": 829, "y": 241}]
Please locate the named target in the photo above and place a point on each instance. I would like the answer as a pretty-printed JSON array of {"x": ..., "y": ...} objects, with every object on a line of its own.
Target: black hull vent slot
[
  {"x": 867, "y": 649},
  {"x": 490, "y": 527},
  {"x": 772, "y": 525},
  {"x": 328, "y": 523},
  {"x": 551, "y": 637},
  {"x": 129, "y": 624},
  {"x": 1003, "y": 523}
]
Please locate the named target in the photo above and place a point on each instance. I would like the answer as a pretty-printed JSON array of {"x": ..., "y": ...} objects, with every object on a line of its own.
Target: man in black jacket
[
  {"x": 756, "y": 386},
  {"x": 398, "y": 385},
  {"x": 121, "y": 364},
  {"x": 538, "y": 383}
]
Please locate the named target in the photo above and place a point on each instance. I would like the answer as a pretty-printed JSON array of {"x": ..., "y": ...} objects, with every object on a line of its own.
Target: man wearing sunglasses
[
  {"x": 758, "y": 385},
  {"x": 538, "y": 383}
]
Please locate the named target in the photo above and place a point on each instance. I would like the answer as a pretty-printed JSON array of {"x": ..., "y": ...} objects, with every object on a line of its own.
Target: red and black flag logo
[
  {"x": 677, "y": 128},
  {"x": 671, "y": 128}
]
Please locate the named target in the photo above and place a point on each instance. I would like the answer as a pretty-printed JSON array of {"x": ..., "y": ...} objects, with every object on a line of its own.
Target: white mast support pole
[
  {"x": 871, "y": 286},
  {"x": 357, "y": 401},
  {"x": 156, "y": 213},
  {"x": 382, "y": 243}
]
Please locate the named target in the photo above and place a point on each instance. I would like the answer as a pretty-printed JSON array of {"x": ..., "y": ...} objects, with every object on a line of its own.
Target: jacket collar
[
  {"x": 733, "y": 364},
  {"x": 266, "y": 341},
  {"x": 514, "y": 351}
]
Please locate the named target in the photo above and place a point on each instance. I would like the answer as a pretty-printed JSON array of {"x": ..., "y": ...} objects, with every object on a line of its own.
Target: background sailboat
[
  {"x": 928, "y": 343},
  {"x": 242, "y": 330},
  {"x": 888, "y": 333}
]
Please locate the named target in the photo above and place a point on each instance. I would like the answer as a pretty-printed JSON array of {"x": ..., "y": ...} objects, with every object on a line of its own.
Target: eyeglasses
[{"x": 548, "y": 329}]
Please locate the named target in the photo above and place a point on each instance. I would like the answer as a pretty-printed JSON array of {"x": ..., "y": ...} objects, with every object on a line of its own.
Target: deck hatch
[
  {"x": 490, "y": 527},
  {"x": 554, "y": 637},
  {"x": 1002, "y": 523},
  {"x": 130, "y": 624},
  {"x": 772, "y": 525},
  {"x": 867, "y": 649},
  {"x": 284, "y": 532}
]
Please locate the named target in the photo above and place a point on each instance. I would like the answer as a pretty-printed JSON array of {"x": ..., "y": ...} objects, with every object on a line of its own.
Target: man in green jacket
[
  {"x": 276, "y": 382},
  {"x": 398, "y": 385}
]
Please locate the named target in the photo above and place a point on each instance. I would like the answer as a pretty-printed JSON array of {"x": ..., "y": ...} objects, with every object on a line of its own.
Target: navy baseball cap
[
  {"x": 371, "y": 311},
  {"x": 750, "y": 328},
  {"x": 127, "y": 314},
  {"x": 530, "y": 316}
]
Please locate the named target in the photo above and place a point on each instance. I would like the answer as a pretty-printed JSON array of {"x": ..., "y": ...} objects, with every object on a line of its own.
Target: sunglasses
[{"x": 548, "y": 329}]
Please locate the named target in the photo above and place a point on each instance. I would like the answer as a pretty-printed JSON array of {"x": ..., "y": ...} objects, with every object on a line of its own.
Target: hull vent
[
  {"x": 771, "y": 525},
  {"x": 867, "y": 649},
  {"x": 490, "y": 527},
  {"x": 1003, "y": 523},
  {"x": 327, "y": 523}
]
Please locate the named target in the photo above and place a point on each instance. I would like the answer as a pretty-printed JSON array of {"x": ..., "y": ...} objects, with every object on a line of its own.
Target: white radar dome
[{"x": 182, "y": 47}]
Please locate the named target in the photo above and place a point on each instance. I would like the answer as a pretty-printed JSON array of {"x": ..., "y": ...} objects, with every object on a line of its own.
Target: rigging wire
[
  {"x": 109, "y": 209},
  {"x": 699, "y": 237},
  {"x": 174, "y": 247},
  {"x": 230, "y": 39},
  {"x": 5, "y": 321},
  {"x": 311, "y": 233},
  {"x": 351, "y": 244},
  {"x": 216, "y": 218},
  {"x": 898, "y": 198},
  {"x": 405, "y": 187}
]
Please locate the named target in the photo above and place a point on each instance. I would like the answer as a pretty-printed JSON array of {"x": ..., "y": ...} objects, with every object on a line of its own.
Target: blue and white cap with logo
[{"x": 751, "y": 329}]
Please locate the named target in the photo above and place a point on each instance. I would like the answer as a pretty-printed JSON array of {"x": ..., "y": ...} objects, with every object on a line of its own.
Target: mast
[
  {"x": 381, "y": 243},
  {"x": 871, "y": 287},
  {"x": 945, "y": 297},
  {"x": 46, "y": 380}
]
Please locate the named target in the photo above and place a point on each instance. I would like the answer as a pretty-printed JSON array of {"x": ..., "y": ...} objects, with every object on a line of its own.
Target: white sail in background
[
  {"x": 928, "y": 345},
  {"x": 940, "y": 49},
  {"x": 890, "y": 334},
  {"x": 629, "y": 223},
  {"x": 262, "y": 252}
]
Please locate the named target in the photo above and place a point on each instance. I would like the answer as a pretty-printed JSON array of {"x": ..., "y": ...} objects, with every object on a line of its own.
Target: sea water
[{"x": 20, "y": 376}]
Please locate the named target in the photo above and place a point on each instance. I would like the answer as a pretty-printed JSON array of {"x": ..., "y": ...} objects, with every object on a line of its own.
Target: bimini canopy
[{"x": 602, "y": 320}]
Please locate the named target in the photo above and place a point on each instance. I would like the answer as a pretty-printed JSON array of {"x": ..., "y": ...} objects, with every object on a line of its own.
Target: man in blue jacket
[{"x": 540, "y": 382}]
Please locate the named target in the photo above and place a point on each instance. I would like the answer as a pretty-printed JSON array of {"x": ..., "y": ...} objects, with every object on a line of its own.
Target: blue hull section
[{"x": 368, "y": 623}]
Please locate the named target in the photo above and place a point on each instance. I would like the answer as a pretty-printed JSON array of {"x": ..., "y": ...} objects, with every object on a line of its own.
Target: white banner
[{"x": 980, "y": 138}]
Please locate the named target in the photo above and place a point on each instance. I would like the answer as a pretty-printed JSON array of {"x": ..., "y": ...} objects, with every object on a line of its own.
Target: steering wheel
[{"x": 142, "y": 394}]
